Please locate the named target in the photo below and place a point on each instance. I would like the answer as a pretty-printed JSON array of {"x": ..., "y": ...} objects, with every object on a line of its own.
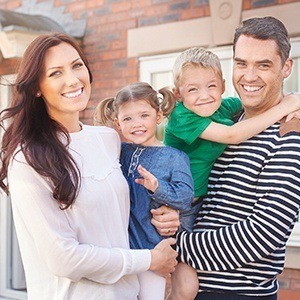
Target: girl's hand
[
  {"x": 163, "y": 258},
  {"x": 149, "y": 181}
]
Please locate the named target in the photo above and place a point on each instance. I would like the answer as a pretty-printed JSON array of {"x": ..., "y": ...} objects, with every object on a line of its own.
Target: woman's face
[{"x": 64, "y": 83}]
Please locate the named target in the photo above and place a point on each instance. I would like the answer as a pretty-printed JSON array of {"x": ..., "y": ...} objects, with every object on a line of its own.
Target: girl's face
[
  {"x": 64, "y": 83},
  {"x": 137, "y": 121}
]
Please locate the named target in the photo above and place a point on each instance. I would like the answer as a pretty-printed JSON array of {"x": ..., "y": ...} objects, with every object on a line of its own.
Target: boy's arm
[{"x": 245, "y": 129}]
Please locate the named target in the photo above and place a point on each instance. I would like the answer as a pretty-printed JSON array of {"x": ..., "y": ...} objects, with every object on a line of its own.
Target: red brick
[{"x": 288, "y": 295}]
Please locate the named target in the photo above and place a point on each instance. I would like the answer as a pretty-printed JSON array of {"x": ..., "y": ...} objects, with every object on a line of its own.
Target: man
[{"x": 239, "y": 239}]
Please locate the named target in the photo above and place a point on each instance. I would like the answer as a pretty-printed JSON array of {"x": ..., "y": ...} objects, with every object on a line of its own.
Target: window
[
  {"x": 157, "y": 70},
  {"x": 12, "y": 279}
]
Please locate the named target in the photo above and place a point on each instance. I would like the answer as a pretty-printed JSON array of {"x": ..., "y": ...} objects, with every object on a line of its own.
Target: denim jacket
[{"x": 175, "y": 188}]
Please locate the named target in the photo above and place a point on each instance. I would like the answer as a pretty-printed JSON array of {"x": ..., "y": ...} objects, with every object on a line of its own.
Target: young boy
[{"x": 201, "y": 125}]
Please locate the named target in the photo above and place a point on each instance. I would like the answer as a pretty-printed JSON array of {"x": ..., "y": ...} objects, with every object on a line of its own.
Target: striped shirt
[{"x": 240, "y": 235}]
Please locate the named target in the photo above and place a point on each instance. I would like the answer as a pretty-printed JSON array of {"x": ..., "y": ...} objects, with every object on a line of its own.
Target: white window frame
[
  {"x": 7, "y": 236},
  {"x": 164, "y": 63}
]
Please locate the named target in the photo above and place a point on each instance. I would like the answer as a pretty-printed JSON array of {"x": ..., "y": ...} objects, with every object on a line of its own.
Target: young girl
[{"x": 156, "y": 174}]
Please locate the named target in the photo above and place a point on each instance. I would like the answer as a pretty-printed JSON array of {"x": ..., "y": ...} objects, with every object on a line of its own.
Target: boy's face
[{"x": 201, "y": 90}]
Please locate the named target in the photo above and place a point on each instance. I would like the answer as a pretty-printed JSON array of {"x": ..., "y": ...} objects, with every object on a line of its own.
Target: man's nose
[{"x": 250, "y": 74}]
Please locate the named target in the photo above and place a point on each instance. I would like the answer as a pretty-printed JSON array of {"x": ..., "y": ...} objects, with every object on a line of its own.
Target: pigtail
[
  {"x": 167, "y": 101},
  {"x": 104, "y": 114}
]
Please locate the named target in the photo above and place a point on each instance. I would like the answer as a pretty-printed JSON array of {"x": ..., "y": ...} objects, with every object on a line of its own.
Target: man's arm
[{"x": 265, "y": 230}]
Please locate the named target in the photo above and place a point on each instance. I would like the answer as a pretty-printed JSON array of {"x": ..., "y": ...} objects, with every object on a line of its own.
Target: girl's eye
[
  {"x": 145, "y": 115},
  {"x": 126, "y": 119},
  {"x": 212, "y": 86},
  {"x": 192, "y": 90}
]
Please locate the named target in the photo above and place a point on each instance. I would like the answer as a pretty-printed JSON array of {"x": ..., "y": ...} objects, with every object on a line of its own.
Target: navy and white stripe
[{"x": 239, "y": 238}]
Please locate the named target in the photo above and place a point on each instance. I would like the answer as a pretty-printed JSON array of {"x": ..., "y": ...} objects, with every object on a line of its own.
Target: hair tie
[{"x": 160, "y": 98}]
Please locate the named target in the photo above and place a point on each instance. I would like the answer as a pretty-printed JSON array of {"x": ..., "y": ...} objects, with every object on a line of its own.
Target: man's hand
[{"x": 165, "y": 220}]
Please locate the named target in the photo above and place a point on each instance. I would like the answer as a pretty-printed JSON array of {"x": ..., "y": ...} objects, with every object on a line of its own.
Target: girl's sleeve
[
  {"x": 178, "y": 191},
  {"x": 38, "y": 216}
]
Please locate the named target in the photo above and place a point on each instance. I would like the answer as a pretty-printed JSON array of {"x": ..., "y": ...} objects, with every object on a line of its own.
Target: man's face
[{"x": 258, "y": 74}]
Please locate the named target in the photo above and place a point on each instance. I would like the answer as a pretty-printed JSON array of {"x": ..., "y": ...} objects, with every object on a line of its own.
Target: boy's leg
[
  {"x": 184, "y": 283},
  {"x": 152, "y": 286}
]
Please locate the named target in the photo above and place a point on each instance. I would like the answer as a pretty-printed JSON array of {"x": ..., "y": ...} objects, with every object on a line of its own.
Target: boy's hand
[
  {"x": 149, "y": 181},
  {"x": 292, "y": 115}
]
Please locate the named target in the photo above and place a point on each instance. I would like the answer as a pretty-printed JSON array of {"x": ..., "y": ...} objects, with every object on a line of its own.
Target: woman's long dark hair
[{"x": 31, "y": 128}]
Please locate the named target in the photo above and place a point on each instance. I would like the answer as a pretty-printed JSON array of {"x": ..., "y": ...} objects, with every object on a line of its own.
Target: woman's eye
[
  {"x": 78, "y": 65},
  {"x": 56, "y": 73}
]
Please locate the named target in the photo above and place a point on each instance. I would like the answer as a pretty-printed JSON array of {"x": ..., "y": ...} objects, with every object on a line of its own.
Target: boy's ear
[
  {"x": 159, "y": 117},
  {"x": 177, "y": 93},
  {"x": 223, "y": 86}
]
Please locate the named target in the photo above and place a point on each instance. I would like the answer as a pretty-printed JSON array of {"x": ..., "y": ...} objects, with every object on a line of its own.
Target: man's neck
[{"x": 250, "y": 112}]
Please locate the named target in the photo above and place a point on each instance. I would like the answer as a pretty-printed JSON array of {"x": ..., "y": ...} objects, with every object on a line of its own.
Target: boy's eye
[
  {"x": 212, "y": 86},
  {"x": 145, "y": 115},
  {"x": 126, "y": 119},
  {"x": 192, "y": 89}
]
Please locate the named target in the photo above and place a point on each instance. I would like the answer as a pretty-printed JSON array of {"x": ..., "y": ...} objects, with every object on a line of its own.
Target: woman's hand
[
  {"x": 165, "y": 220},
  {"x": 163, "y": 258}
]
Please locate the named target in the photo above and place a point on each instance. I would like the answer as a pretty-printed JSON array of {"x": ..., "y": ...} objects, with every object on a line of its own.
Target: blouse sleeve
[{"x": 37, "y": 215}]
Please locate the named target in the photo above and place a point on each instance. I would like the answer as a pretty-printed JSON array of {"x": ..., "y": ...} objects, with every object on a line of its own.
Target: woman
[{"x": 70, "y": 201}]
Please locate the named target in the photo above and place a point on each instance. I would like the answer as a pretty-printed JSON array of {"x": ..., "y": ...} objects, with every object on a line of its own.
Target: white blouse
[{"x": 81, "y": 252}]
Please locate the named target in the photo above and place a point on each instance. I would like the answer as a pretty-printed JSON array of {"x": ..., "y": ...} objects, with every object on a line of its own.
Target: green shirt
[{"x": 183, "y": 130}]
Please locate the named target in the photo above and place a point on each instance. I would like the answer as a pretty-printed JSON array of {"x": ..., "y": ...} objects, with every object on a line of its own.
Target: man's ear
[{"x": 287, "y": 68}]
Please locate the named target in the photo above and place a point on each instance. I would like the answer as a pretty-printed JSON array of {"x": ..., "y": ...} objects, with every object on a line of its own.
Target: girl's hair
[
  {"x": 32, "y": 131},
  {"x": 107, "y": 110},
  {"x": 195, "y": 57}
]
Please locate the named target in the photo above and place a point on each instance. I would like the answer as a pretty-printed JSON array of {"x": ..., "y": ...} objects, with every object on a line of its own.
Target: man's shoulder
[{"x": 290, "y": 126}]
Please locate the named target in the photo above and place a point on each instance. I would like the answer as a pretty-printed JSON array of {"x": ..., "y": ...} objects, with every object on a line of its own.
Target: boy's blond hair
[{"x": 195, "y": 57}]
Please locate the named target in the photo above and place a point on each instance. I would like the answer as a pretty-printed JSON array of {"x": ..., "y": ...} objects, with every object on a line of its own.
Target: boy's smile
[{"x": 201, "y": 90}]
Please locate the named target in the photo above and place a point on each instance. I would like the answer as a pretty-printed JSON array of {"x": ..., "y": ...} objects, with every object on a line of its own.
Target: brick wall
[
  {"x": 105, "y": 41},
  {"x": 105, "y": 44}
]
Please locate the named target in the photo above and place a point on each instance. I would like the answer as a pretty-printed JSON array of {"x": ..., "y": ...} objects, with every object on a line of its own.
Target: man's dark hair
[{"x": 266, "y": 28}]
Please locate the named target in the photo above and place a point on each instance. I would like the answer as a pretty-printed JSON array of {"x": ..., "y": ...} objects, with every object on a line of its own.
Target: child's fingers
[{"x": 145, "y": 173}]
